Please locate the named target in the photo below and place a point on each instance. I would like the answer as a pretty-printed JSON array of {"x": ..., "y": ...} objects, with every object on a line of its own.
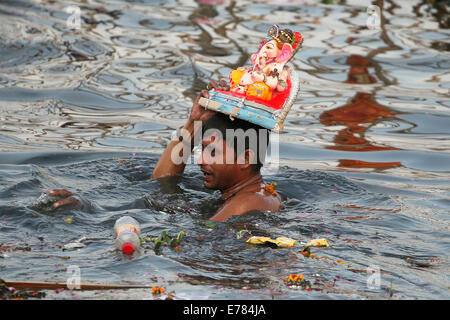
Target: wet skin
[{"x": 242, "y": 188}]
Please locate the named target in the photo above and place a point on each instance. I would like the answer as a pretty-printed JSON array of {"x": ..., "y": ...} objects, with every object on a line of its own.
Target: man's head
[{"x": 232, "y": 150}]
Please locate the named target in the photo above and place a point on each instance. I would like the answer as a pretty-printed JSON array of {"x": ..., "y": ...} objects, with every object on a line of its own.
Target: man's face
[{"x": 218, "y": 172}]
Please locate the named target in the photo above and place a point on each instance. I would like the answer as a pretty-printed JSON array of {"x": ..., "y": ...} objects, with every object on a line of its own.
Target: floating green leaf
[
  {"x": 164, "y": 238},
  {"x": 208, "y": 224},
  {"x": 157, "y": 247},
  {"x": 177, "y": 240},
  {"x": 241, "y": 233}
]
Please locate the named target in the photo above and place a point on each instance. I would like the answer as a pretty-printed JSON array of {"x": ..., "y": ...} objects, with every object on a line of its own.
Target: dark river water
[{"x": 364, "y": 158}]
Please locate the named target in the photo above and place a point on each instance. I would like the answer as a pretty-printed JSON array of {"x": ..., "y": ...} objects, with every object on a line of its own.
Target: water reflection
[
  {"x": 438, "y": 8},
  {"x": 363, "y": 111},
  {"x": 358, "y": 116},
  {"x": 126, "y": 79}
]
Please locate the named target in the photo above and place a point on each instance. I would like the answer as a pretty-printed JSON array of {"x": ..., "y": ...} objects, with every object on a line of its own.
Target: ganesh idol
[{"x": 269, "y": 73}]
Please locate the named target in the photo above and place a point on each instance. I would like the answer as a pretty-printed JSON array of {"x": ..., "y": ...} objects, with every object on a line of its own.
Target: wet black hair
[{"x": 222, "y": 122}]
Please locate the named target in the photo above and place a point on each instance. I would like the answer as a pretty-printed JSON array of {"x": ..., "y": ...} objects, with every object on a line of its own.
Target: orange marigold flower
[
  {"x": 298, "y": 280},
  {"x": 157, "y": 290},
  {"x": 271, "y": 188},
  {"x": 170, "y": 296},
  {"x": 293, "y": 278}
]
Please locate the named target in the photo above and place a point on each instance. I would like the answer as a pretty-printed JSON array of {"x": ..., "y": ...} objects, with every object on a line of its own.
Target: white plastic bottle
[{"x": 127, "y": 232}]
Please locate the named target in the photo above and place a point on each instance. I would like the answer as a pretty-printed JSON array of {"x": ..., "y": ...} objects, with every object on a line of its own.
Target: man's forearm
[{"x": 173, "y": 161}]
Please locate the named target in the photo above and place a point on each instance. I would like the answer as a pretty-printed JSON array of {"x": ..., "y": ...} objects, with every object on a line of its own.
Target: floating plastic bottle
[{"x": 127, "y": 232}]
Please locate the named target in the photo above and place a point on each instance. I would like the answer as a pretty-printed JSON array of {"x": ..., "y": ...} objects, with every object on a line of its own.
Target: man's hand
[
  {"x": 199, "y": 113},
  {"x": 67, "y": 201},
  {"x": 166, "y": 165}
]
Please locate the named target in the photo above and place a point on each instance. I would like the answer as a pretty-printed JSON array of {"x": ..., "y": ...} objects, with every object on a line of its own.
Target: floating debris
[
  {"x": 318, "y": 243},
  {"x": 422, "y": 264},
  {"x": 73, "y": 245},
  {"x": 13, "y": 248},
  {"x": 307, "y": 253},
  {"x": 157, "y": 290},
  {"x": 164, "y": 239},
  {"x": 170, "y": 296},
  {"x": 283, "y": 242},
  {"x": 208, "y": 223},
  {"x": 15, "y": 294},
  {"x": 241, "y": 233},
  {"x": 297, "y": 280},
  {"x": 76, "y": 244},
  {"x": 69, "y": 220}
]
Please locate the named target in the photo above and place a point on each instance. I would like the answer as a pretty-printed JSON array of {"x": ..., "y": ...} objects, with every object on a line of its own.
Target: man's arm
[
  {"x": 169, "y": 164},
  {"x": 165, "y": 166},
  {"x": 173, "y": 161}
]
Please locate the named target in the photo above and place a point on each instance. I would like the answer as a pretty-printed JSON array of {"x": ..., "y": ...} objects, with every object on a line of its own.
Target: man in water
[{"x": 230, "y": 167}]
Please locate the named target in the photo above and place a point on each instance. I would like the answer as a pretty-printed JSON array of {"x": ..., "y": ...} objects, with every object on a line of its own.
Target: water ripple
[{"x": 373, "y": 109}]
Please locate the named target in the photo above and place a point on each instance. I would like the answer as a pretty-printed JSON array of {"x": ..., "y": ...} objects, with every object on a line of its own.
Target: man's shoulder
[
  {"x": 245, "y": 202},
  {"x": 257, "y": 201}
]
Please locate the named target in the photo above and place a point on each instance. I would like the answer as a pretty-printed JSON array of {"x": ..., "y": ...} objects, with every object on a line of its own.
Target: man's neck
[{"x": 242, "y": 184}]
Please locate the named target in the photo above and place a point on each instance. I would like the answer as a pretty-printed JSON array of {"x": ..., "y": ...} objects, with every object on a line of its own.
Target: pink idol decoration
[
  {"x": 269, "y": 73},
  {"x": 264, "y": 93}
]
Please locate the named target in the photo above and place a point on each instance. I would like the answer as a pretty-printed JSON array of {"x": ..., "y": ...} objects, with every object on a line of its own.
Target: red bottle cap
[{"x": 127, "y": 248}]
